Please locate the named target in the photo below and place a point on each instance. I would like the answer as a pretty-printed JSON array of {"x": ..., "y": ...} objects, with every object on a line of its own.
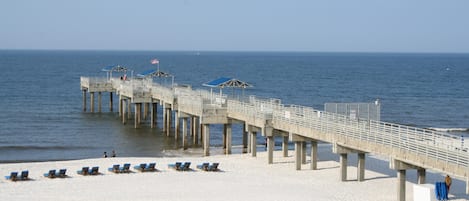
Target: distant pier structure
[{"x": 190, "y": 112}]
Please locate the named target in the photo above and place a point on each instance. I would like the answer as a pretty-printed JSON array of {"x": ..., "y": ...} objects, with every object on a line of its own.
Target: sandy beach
[{"x": 242, "y": 177}]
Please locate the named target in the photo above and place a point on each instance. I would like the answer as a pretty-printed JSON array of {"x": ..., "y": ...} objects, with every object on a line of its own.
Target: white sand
[{"x": 242, "y": 178}]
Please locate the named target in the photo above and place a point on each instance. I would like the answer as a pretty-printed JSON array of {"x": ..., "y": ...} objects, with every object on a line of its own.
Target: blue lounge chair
[
  {"x": 24, "y": 175},
  {"x": 62, "y": 173},
  {"x": 114, "y": 168},
  {"x": 150, "y": 167},
  {"x": 140, "y": 167},
  {"x": 50, "y": 174},
  {"x": 185, "y": 166},
  {"x": 203, "y": 166},
  {"x": 176, "y": 166},
  {"x": 13, "y": 176},
  {"x": 83, "y": 171},
  {"x": 94, "y": 170},
  {"x": 125, "y": 168},
  {"x": 213, "y": 167}
]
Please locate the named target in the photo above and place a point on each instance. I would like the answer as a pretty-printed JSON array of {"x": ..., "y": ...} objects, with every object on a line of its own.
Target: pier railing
[
  {"x": 428, "y": 144},
  {"x": 420, "y": 146}
]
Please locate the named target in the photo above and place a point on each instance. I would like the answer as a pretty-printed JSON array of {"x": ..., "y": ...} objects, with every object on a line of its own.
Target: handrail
[{"x": 446, "y": 148}]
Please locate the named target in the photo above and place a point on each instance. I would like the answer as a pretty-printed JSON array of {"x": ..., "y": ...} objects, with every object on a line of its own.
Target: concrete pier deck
[{"x": 407, "y": 147}]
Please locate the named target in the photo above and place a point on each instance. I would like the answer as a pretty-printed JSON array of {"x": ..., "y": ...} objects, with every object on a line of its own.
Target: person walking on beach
[
  {"x": 448, "y": 183},
  {"x": 113, "y": 154},
  {"x": 105, "y": 155}
]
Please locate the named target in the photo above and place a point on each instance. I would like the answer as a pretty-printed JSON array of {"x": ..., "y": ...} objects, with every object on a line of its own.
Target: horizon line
[{"x": 253, "y": 51}]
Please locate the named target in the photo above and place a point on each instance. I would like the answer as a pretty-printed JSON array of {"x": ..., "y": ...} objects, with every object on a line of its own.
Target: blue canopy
[
  {"x": 227, "y": 82},
  {"x": 115, "y": 68},
  {"x": 153, "y": 73}
]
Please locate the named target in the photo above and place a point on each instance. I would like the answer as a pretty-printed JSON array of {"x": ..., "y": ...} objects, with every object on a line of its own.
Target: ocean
[{"x": 41, "y": 117}]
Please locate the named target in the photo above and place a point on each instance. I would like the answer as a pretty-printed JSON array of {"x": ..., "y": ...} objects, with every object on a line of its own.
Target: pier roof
[
  {"x": 227, "y": 82},
  {"x": 153, "y": 73}
]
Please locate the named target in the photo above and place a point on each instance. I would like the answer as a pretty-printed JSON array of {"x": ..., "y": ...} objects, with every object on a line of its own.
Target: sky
[{"x": 237, "y": 25}]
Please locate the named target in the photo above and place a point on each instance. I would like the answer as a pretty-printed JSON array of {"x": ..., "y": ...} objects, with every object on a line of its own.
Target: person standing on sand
[
  {"x": 448, "y": 183},
  {"x": 105, "y": 155},
  {"x": 113, "y": 154}
]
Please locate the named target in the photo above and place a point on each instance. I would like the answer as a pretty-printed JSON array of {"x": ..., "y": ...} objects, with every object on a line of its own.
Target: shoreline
[{"x": 242, "y": 177}]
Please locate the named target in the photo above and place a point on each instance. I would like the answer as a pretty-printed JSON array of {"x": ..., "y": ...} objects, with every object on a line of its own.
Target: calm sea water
[{"x": 41, "y": 114}]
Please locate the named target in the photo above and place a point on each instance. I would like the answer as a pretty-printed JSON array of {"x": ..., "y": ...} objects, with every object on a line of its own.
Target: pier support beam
[
  {"x": 227, "y": 137},
  {"x": 153, "y": 115},
  {"x": 176, "y": 125},
  {"x": 124, "y": 116},
  {"x": 343, "y": 167},
  {"x": 270, "y": 149},
  {"x": 184, "y": 133},
  {"x": 314, "y": 155},
  {"x": 120, "y": 105},
  {"x": 245, "y": 139},
  {"x": 285, "y": 146},
  {"x": 129, "y": 108},
  {"x": 99, "y": 102},
  {"x": 401, "y": 168},
  {"x": 303, "y": 152},
  {"x": 146, "y": 108},
  {"x": 421, "y": 173},
  {"x": 361, "y": 167},
  {"x": 195, "y": 130},
  {"x": 299, "y": 141},
  {"x": 111, "y": 103},
  {"x": 298, "y": 145},
  {"x": 467, "y": 185},
  {"x": 401, "y": 175},
  {"x": 206, "y": 129},
  {"x": 84, "y": 100},
  {"x": 253, "y": 143},
  {"x": 202, "y": 133},
  {"x": 138, "y": 110},
  {"x": 343, "y": 151},
  {"x": 91, "y": 101}
]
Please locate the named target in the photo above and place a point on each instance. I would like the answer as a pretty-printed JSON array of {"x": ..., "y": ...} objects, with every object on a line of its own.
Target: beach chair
[
  {"x": 213, "y": 167},
  {"x": 24, "y": 175},
  {"x": 203, "y": 166},
  {"x": 150, "y": 167},
  {"x": 62, "y": 173},
  {"x": 84, "y": 171},
  {"x": 176, "y": 166},
  {"x": 94, "y": 170},
  {"x": 13, "y": 176},
  {"x": 125, "y": 168},
  {"x": 50, "y": 174},
  {"x": 140, "y": 167},
  {"x": 185, "y": 166},
  {"x": 115, "y": 168}
]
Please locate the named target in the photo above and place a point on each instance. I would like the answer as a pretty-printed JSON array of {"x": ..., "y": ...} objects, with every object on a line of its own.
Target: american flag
[{"x": 155, "y": 61}]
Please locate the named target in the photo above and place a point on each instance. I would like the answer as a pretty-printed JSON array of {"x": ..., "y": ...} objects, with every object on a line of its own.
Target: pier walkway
[{"x": 406, "y": 147}]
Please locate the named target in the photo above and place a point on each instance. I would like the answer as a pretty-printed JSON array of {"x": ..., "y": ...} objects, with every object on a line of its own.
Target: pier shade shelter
[
  {"x": 227, "y": 82},
  {"x": 223, "y": 82},
  {"x": 153, "y": 73}
]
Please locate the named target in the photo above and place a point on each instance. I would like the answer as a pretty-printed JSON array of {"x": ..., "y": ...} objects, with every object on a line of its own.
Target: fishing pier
[{"x": 189, "y": 112}]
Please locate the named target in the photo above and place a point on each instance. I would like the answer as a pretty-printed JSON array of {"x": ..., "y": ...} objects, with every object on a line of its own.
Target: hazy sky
[{"x": 264, "y": 25}]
